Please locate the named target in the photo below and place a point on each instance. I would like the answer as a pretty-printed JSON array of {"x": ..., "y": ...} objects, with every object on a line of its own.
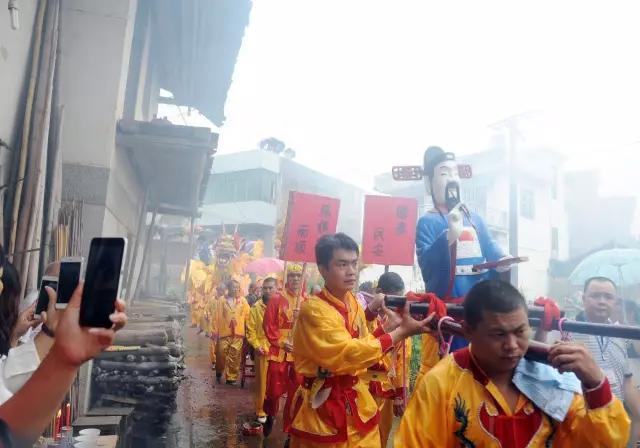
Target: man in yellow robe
[
  {"x": 233, "y": 311},
  {"x": 385, "y": 378},
  {"x": 213, "y": 327},
  {"x": 197, "y": 277},
  {"x": 332, "y": 346},
  {"x": 488, "y": 395},
  {"x": 278, "y": 321},
  {"x": 260, "y": 344}
]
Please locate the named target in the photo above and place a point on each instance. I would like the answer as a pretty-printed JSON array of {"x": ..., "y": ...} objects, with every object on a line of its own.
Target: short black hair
[
  {"x": 327, "y": 244},
  {"x": 494, "y": 296},
  {"x": 269, "y": 280},
  {"x": 598, "y": 278},
  {"x": 391, "y": 283},
  {"x": 231, "y": 282},
  {"x": 366, "y": 286}
]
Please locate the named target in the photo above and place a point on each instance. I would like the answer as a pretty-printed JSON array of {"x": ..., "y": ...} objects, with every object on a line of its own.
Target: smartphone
[
  {"x": 68, "y": 279},
  {"x": 102, "y": 281},
  {"x": 43, "y": 297}
]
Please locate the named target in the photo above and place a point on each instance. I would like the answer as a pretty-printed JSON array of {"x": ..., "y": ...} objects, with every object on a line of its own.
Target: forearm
[
  {"x": 632, "y": 398},
  {"x": 398, "y": 335},
  {"x": 43, "y": 344},
  {"x": 30, "y": 409}
]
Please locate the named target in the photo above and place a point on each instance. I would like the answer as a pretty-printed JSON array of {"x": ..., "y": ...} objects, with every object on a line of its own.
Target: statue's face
[{"x": 445, "y": 182}]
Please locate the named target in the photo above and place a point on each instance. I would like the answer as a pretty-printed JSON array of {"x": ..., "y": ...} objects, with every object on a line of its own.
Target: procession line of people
[{"x": 341, "y": 368}]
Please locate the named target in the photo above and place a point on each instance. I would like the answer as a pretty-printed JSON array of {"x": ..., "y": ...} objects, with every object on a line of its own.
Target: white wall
[
  {"x": 534, "y": 235},
  {"x": 15, "y": 58},
  {"x": 96, "y": 43},
  {"x": 124, "y": 194}
]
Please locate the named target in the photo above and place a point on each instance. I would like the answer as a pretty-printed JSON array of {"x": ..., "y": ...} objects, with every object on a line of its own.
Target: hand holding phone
[
  {"x": 70, "y": 269},
  {"x": 43, "y": 297},
  {"x": 102, "y": 281}
]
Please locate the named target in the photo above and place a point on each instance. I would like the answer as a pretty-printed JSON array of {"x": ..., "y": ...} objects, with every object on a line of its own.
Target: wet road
[{"x": 209, "y": 414}]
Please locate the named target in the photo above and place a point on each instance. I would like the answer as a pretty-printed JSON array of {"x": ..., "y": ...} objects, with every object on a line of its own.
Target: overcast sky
[{"x": 356, "y": 86}]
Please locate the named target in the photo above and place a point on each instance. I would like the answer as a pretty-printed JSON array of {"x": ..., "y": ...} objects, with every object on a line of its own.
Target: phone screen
[
  {"x": 43, "y": 297},
  {"x": 102, "y": 281},
  {"x": 68, "y": 280}
]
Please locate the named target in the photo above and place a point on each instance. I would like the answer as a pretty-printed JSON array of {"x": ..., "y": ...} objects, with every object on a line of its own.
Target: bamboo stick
[
  {"x": 30, "y": 216},
  {"x": 26, "y": 126}
]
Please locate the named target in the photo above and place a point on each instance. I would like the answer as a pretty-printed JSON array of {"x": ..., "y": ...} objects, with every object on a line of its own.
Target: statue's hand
[{"x": 455, "y": 225}]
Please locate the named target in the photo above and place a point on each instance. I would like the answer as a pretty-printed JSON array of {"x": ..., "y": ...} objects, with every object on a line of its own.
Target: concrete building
[
  {"x": 542, "y": 221},
  {"x": 111, "y": 59},
  {"x": 251, "y": 189}
]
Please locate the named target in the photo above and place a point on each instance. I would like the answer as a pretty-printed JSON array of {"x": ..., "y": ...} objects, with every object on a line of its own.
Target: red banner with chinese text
[
  {"x": 309, "y": 217},
  {"x": 389, "y": 234}
]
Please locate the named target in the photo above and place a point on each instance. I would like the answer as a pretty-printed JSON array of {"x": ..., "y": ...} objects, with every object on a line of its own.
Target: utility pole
[
  {"x": 511, "y": 126},
  {"x": 513, "y": 199}
]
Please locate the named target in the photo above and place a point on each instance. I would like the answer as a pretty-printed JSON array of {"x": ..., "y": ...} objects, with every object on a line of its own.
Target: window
[
  {"x": 527, "y": 204},
  {"x": 554, "y": 240},
  {"x": 242, "y": 186}
]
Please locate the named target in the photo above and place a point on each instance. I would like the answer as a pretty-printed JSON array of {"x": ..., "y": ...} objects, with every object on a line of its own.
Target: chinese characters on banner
[
  {"x": 389, "y": 234},
  {"x": 309, "y": 216}
]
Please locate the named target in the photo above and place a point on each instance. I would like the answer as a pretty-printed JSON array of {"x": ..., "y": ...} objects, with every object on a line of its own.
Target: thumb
[
  {"x": 53, "y": 296},
  {"x": 30, "y": 309},
  {"x": 388, "y": 313},
  {"x": 76, "y": 298}
]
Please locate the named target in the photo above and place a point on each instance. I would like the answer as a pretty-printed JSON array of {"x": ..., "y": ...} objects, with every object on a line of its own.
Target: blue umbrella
[{"x": 620, "y": 265}]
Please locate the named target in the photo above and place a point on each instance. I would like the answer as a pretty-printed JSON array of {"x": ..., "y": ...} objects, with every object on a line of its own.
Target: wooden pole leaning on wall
[
  {"x": 26, "y": 126},
  {"x": 145, "y": 254},
  {"x": 135, "y": 247}
]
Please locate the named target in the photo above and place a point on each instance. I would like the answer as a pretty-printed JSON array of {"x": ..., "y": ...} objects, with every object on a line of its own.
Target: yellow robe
[
  {"x": 195, "y": 282},
  {"x": 385, "y": 381},
  {"x": 281, "y": 325},
  {"x": 429, "y": 357},
  {"x": 452, "y": 408},
  {"x": 332, "y": 346},
  {"x": 198, "y": 278},
  {"x": 231, "y": 328},
  {"x": 258, "y": 340},
  {"x": 232, "y": 318},
  {"x": 211, "y": 312}
]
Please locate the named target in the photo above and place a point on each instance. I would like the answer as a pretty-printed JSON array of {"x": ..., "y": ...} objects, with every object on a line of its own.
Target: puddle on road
[{"x": 210, "y": 415}]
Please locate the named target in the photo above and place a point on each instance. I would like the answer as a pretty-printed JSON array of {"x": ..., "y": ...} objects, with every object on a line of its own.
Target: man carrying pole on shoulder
[
  {"x": 278, "y": 322},
  {"x": 332, "y": 346},
  {"x": 388, "y": 378},
  {"x": 489, "y": 395}
]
